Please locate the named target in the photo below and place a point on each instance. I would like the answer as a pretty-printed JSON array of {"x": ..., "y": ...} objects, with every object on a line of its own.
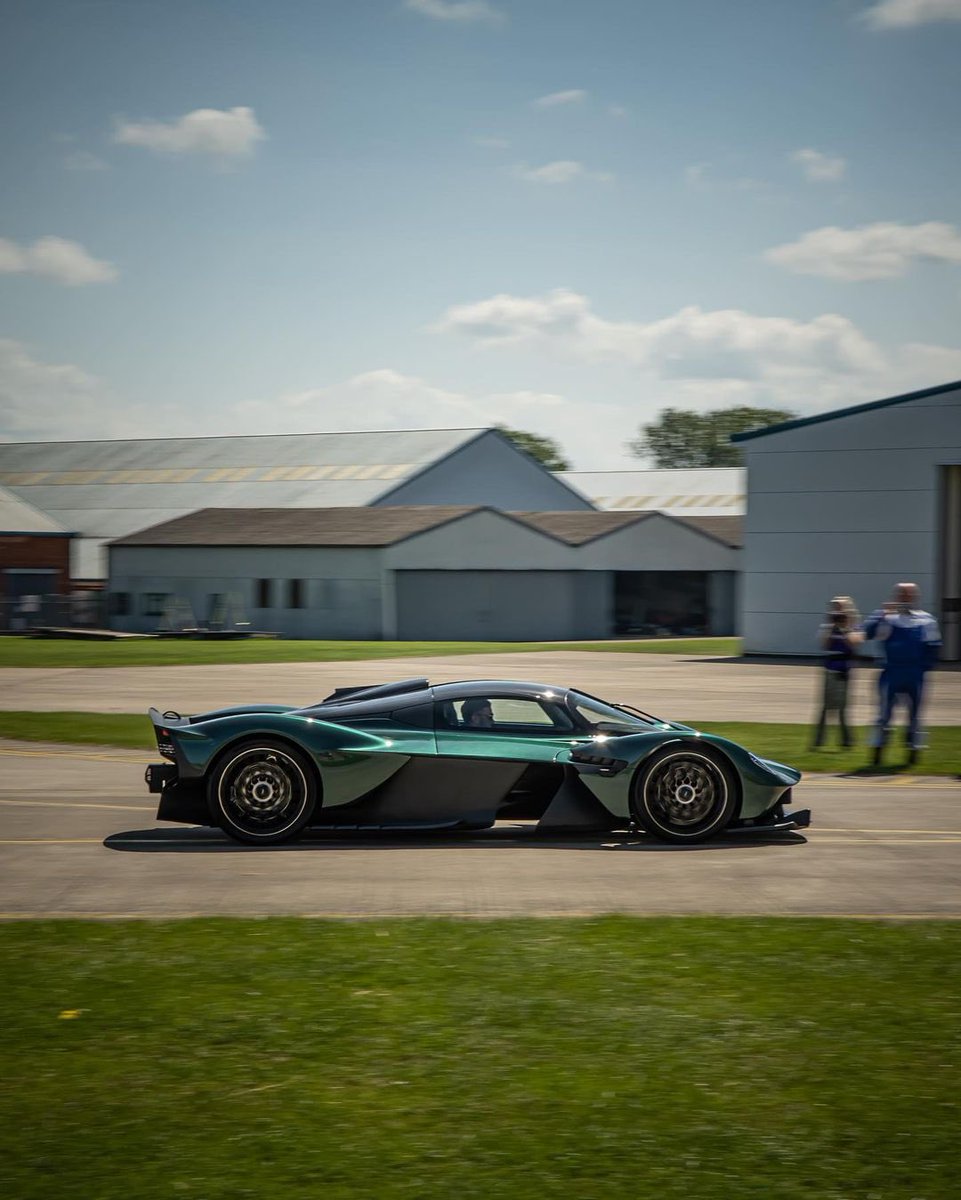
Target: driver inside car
[{"x": 477, "y": 713}]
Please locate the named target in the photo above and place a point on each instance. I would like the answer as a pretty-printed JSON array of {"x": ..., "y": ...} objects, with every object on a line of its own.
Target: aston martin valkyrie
[{"x": 411, "y": 755}]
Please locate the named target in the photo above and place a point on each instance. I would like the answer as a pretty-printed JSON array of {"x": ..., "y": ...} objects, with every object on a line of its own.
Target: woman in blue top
[{"x": 838, "y": 636}]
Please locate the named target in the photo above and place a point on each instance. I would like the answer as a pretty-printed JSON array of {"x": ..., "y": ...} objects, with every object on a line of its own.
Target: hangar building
[
  {"x": 685, "y": 492},
  {"x": 434, "y": 572},
  {"x": 850, "y": 502},
  {"x": 105, "y": 489}
]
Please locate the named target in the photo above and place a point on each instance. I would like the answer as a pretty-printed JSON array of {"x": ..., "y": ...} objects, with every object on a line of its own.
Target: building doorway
[
  {"x": 949, "y": 562},
  {"x": 661, "y": 603}
]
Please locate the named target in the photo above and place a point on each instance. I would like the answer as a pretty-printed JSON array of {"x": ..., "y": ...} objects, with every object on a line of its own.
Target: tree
[
  {"x": 542, "y": 449},
  {"x": 679, "y": 438}
]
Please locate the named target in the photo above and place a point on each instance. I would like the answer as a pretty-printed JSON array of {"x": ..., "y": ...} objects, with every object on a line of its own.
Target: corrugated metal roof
[
  {"x": 708, "y": 491},
  {"x": 105, "y": 489},
  {"x": 298, "y": 526},
  {"x": 17, "y": 516}
]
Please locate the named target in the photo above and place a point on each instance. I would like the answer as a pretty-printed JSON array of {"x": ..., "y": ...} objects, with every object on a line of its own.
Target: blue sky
[{"x": 564, "y": 215}]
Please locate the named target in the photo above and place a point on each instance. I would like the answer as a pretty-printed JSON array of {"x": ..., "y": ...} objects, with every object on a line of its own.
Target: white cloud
[
  {"x": 726, "y": 343},
  {"x": 389, "y": 399},
  {"x": 709, "y": 359},
  {"x": 55, "y": 258},
  {"x": 881, "y": 251},
  {"x": 561, "y": 171},
  {"x": 45, "y": 401},
  {"x": 456, "y": 10},
  {"x": 219, "y": 133},
  {"x": 818, "y": 167},
  {"x": 902, "y": 14},
  {"x": 616, "y": 110},
  {"x": 555, "y": 99}
]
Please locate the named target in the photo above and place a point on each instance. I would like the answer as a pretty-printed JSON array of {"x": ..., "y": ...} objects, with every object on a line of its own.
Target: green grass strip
[
  {"x": 683, "y": 1059},
  {"x": 782, "y": 742},
  {"x": 166, "y": 652},
  {"x": 80, "y": 728},
  {"x": 792, "y": 744}
]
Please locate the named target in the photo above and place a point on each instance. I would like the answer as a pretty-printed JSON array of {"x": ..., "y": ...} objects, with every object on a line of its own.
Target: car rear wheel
[
  {"x": 684, "y": 794},
  {"x": 262, "y": 792}
]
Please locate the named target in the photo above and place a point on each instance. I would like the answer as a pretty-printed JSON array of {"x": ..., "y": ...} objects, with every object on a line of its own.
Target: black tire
[
  {"x": 262, "y": 792},
  {"x": 684, "y": 793}
]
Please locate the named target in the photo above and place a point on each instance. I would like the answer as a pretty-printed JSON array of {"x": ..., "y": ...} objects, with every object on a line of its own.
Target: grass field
[
  {"x": 735, "y": 1059},
  {"x": 56, "y": 652},
  {"x": 785, "y": 743}
]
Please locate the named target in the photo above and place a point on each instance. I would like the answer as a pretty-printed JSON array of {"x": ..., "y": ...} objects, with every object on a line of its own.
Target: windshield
[{"x": 595, "y": 712}]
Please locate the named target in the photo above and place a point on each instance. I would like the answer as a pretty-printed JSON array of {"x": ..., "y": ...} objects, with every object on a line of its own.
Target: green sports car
[{"x": 412, "y": 755}]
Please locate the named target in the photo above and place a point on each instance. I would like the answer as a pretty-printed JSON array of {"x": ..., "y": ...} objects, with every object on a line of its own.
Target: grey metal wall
[
  {"x": 501, "y": 605},
  {"x": 484, "y": 576},
  {"x": 488, "y": 470},
  {"x": 341, "y": 586},
  {"x": 848, "y": 505}
]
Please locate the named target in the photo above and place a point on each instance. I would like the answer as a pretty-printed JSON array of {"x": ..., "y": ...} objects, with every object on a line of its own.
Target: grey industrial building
[
  {"x": 683, "y": 491},
  {"x": 34, "y": 560},
  {"x": 431, "y": 572},
  {"x": 850, "y": 502},
  {"x": 105, "y": 489}
]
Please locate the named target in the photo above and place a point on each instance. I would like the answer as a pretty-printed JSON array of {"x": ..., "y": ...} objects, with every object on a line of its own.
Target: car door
[{"x": 520, "y": 728}]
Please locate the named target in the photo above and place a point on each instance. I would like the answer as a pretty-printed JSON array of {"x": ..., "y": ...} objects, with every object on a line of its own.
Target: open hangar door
[
  {"x": 674, "y": 603},
  {"x": 949, "y": 562},
  {"x": 501, "y": 605}
]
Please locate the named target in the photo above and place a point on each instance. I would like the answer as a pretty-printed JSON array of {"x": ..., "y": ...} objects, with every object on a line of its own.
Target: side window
[
  {"x": 417, "y": 716},
  {"x": 153, "y": 604},
  {"x": 264, "y": 593},
  {"x": 509, "y": 714}
]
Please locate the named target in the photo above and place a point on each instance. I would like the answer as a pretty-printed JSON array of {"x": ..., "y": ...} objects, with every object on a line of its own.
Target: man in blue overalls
[{"x": 909, "y": 640}]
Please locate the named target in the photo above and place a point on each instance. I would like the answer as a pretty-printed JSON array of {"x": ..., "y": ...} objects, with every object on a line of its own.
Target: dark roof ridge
[
  {"x": 798, "y": 422},
  {"x": 529, "y": 517}
]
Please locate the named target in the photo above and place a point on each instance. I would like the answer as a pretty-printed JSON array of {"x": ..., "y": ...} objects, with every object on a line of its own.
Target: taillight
[{"x": 165, "y": 744}]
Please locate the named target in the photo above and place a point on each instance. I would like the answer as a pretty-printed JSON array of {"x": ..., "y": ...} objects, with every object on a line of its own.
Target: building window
[
  {"x": 154, "y": 603},
  {"x": 120, "y": 604},
  {"x": 264, "y": 592},
  {"x": 295, "y": 593}
]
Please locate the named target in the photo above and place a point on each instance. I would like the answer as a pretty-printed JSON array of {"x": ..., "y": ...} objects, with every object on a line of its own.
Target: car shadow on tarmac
[{"x": 212, "y": 841}]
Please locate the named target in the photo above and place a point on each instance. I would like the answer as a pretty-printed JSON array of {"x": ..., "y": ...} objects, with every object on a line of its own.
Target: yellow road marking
[
  {"x": 850, "y": 829},
  {"x": 51, "y": 841},
  {"x": 914, "y": 781},
  {"x": 935, "y": 841},
  {"x": 213, "y": 841},
  {"x": 144, "y": 808},
  {"x": 73, "y": 754}
]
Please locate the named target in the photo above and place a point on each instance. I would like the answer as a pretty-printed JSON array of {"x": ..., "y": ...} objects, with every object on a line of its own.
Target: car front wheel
[
  {"x": 262, "y": 792},
  {"x": 682, "y": 794}
]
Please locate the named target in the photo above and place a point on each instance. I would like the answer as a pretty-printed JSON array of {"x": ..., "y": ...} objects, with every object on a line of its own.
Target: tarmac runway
[
  {"x": 78, "y": 838},
  {"x": 670, "y": 685}
]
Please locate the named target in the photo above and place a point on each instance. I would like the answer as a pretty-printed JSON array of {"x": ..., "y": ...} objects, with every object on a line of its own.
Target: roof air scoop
[{"x": 374, "y": 691}]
